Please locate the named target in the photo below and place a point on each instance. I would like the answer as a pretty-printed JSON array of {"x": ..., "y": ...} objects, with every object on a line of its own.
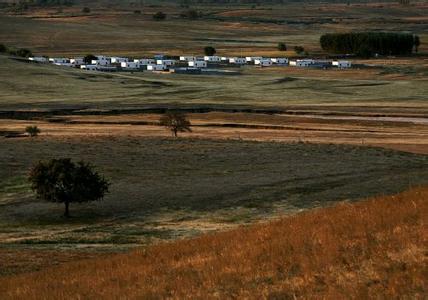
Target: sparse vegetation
[
  {"x": 63, "y": 181},
  {"x": 32, "y": 130},
  {"x": 175, "y": 122},
  {"x": 370, "y": 249}
]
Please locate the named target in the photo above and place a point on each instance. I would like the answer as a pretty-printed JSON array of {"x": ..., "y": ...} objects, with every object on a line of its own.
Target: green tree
[
  {"x": 175, "y": 122},
  {"x": 88, "y": 58},
  {"x": 63, "y": 181},
  {"x": 209, "y": 51},
  {"x": 32, "y": 131},
  {"x": 159, "y": 16},
  {"x": 282, "y": 47},
  {"x": 416, "y": 43},
  {"x": 23, "y": 52}
]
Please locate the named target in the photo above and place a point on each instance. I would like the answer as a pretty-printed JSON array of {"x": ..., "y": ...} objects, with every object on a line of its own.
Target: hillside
[{"x": 370, "y": 249}]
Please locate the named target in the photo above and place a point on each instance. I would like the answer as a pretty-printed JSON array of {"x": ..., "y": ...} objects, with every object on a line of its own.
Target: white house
[
  {"x": 156, "y": 67},
  {"x": 250, "y": 59},
  {"x": 197, "y": 64},
  {"x": 237, "y": 60},
  {"x": 144, "y": 61},
  {"x": 118, "y": 60},
  {"x": 100, "y": 62},
  {"x": 77, "y": 61},
  {"x": 39, "y": 59},
  {"x": 212, "y": 58},
  {"x": 58, "y": 60},
  {"x": 342, "y": 64},
  {"x": 64, "y": 64},
  {"x": 280, "y": 60},
  {"x": 187, "y": 58},
  {"x": 89, "y": 67},
  {"x": 302, "y": 62},
  {"x": 129, "y": 65},
  {"x": 165, "y": 62},
  {"x": 263, "y": 62}
]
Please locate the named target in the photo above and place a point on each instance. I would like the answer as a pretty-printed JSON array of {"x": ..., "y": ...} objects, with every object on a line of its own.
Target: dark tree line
[{"x": 369, "y": 43}]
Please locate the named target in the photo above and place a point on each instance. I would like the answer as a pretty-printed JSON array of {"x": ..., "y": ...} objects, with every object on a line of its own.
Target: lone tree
[
  {"x": 32, "y": 130},
  {"x": 282, "y": 47},
  {"x": 62, "y": 181},
  {"x": 159, "y": 16},
  {"x": 176, "y": 122},
  {"x": 210, "y": 51}
]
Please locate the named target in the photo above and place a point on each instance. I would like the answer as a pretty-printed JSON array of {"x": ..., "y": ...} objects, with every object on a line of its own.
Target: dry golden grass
[{"x": 370, "y": 249}]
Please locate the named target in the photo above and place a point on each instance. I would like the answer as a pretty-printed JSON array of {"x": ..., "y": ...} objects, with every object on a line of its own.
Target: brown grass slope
[{"x": 374, "y": 248}]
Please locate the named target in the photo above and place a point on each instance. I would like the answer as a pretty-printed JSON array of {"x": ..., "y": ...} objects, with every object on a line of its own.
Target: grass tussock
[{"x": 375, "y": 248}]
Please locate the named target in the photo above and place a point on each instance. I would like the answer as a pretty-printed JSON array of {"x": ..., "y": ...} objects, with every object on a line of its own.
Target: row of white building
[{"x": 160, "y": 63}]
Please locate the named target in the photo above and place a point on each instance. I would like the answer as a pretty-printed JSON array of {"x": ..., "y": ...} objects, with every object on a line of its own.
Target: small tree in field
[
  {"x": 210, "y": 51},
  {"x": 62, "y": 181},
  {"x": 176, "y": 122},
  {"x": 282, "y": 47},
  {"x": 32, "y": 130}
]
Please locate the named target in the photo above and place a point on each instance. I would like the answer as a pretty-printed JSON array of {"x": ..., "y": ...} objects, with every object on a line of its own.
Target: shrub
[
  {"x": 159, "y": 16},
  {"x": 32, "y": 131},
  {"x": 191, "y": 14},
  {"x": 86, "y": 10},
  {"x": 23, "y": 52},
  {"x": 209, "y": 51},
  {"x": 299, "y": 49},
  {"x": 3, "y": 48},
  {"x": 137, "y": 12},
  {"x": 282, "y": 47}
]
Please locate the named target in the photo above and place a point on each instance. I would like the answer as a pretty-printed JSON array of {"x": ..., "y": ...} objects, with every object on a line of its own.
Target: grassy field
[
  {"x": 370, "y": 249},
  {"x": 166, "y": 188},
  {"x": 233, "y": 30},
  {"x": 44, "y": 86}
]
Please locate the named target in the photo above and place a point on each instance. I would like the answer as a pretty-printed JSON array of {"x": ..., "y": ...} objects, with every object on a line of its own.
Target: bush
[
  {"x": 299, "y": 49},
  {"x": 191, "y": 14},
  {"x": 86, "y": 10},
  {"x": 23, "y": 52},
  {"x": 3, "y": 48},
  {"x": 282, "y": 47},
  {"x": 137, "y": 12},
  {"x": 209, "y": 51},
  {"x": 159, "y": 16},
  {"x": 32, "y": 131}
]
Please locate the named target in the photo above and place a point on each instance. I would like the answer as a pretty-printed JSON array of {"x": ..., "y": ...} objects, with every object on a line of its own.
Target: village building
[
  {"x": 342, "y": 64},
  {"x": 59, "y": 60},
  {"x": 212, "y": 58},
  {"x": 129, "y": 65},
  {"x": 263, "y": 62},
  {"x": 118, "y": 60},
  {"x": 252, "y": 59},
  {"x": 198, "y": 64},
  {"x": 156, "y": 67},
  {"x": 187, "y": 58},
  {"x": 89, "y": 67},
  {"x": 77, "y": 61},
  {"x": 237, "y": 60},
  {"x": 40, "y": 59},
  {"x": 165, "y": 62},
  {"x": 280, "y": 60}
]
